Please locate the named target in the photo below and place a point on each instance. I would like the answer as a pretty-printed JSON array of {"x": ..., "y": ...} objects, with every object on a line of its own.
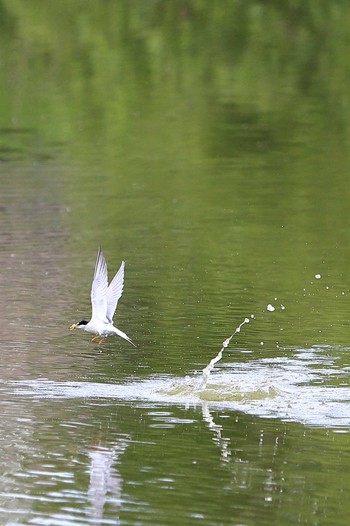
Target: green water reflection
[
  {"x": 207, "y": 143},
  {"x": 149, "y": 464}
]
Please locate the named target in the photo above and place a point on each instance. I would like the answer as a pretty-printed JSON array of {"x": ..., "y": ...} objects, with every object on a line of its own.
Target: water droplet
[
  {"x": 283, "y": 307},
  {"x": 261, "y": 343},
  {"x": 270, "y": 307},
  {"x": 318, "y": 276},
  {"x": 246, "y": 320}
]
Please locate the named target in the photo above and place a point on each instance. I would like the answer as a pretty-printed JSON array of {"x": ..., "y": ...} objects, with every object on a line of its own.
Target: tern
[{"x": 104, "y": 300}]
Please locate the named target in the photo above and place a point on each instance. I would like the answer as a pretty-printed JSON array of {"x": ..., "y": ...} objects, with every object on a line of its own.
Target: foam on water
[{"x": 292, "y": 389}]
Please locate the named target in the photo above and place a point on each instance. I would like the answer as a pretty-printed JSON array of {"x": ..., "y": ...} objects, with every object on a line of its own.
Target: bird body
[{"x": 104, "y": 301}]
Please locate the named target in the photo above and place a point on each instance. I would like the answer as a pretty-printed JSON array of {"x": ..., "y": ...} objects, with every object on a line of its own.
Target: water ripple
[{"x": 296, "y": 388}]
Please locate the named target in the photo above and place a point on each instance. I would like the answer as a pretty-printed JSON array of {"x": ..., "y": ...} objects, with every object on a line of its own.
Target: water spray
[
  {"x": 207, "y": 370},
  {"x": 270, "y": 308}
]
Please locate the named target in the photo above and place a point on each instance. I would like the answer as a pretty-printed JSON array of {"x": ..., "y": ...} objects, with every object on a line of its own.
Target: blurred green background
[{"x": 207, "y": 142}]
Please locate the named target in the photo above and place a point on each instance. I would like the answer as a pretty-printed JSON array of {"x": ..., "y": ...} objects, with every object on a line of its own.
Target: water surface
[{"x": 212, "y": 155}]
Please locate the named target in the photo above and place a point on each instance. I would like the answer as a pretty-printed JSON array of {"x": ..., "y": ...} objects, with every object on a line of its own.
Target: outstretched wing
[
  {"x": 99, "y": 288},
  {"x": 114, "y": 291}
]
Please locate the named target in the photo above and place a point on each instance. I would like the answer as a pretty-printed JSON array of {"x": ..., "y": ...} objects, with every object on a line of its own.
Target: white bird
[{"x": 104, "y": 300}]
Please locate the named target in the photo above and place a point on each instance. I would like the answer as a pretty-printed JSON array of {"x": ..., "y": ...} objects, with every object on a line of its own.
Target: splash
[{"x": 207, "y": 370}]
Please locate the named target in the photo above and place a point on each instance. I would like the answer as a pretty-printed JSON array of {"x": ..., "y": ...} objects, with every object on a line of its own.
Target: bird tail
[{"x": 123, "y": 335}]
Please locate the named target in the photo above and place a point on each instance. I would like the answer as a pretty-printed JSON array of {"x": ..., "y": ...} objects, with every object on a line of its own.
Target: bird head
[{"x": 78, "y": 325}]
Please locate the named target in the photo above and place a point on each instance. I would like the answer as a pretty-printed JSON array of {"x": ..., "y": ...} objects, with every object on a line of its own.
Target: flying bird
[{"x": 104, "y": 301}]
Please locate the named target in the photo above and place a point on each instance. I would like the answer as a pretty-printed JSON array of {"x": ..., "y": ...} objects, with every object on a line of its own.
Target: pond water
[{"x": 212, "y": 156}]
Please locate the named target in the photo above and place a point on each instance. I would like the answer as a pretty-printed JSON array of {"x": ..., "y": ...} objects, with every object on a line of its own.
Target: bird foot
[{"x": 97, "y": 337}]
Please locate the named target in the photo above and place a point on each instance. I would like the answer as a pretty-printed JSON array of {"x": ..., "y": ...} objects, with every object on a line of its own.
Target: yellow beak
[{"x": 72, "y": 327}]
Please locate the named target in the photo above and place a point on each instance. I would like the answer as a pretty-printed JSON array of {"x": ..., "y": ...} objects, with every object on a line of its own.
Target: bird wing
[
  {"x": 99, "y": 288},
  {"x": 114, "y": 292}
]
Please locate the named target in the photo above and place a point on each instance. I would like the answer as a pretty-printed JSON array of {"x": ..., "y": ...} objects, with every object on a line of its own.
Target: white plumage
[{"x": 104, "y": 301}]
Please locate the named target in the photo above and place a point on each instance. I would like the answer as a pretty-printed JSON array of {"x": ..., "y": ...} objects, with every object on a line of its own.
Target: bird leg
[
  {"x": 95, "y": 337},
  {"x": 102, "y": 340}
]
